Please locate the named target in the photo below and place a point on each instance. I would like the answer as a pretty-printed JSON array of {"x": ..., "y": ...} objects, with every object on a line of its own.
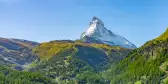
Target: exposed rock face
[{"x": 16, "y": 51}]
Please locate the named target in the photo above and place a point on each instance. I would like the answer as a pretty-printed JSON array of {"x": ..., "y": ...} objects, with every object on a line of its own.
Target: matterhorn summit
[{"x": 98, "y": 33}]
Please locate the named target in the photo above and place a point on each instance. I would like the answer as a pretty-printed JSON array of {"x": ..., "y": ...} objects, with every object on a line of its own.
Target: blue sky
[{"x": 45, "y": 20}]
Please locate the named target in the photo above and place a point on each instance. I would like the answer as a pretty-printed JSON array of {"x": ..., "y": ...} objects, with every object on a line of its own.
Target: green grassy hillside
[
  {"x": 70, "y": 61},
  {"x": 146, "y": 65},
  {"x": 80, "y": 50}
]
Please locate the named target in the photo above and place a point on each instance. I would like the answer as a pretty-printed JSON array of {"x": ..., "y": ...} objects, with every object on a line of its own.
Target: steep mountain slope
[
  {"x": 66, "y": 60},
  {"x": 164, "y": 36},
  {"x": 16, "y": 51},
  {"x": 147, "y": 64},
  {"x": 97, "y": 33}
]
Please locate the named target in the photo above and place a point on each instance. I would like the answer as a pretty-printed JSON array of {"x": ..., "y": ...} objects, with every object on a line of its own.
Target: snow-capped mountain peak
[
  {"x": 97, "y": 27},
  {"x": 97, "y": 21},
  {"x": 100, "y": 34}
]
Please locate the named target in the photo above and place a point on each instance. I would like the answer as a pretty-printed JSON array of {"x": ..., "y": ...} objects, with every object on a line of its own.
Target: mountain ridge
[{"x": 163, "y": 36}]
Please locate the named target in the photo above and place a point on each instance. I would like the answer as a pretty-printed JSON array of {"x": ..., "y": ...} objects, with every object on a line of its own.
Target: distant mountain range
[
  {"x": 98, "y": 57},
  {"x": 19, "y": 51}
]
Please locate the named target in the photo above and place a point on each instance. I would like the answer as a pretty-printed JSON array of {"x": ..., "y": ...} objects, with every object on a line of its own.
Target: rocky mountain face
[
  {"x": 16, "y": 51},
  {"x": 98, "y": 33}
]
